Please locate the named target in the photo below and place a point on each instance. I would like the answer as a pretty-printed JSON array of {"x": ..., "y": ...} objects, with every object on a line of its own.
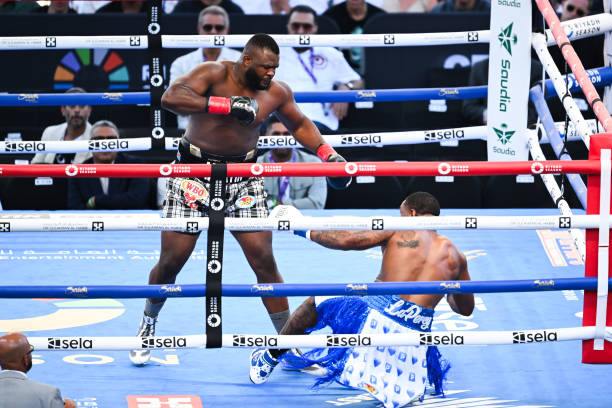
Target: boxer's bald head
[{"x": 15, "y": 352}]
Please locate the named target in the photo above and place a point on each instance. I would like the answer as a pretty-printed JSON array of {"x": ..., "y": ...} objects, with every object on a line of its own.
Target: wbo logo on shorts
[
  {"x": 247, "y": 201},
  {"x": 194, "y": 189}
]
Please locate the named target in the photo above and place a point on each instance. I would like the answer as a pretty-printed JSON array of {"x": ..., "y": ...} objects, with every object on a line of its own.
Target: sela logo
[
  {"x": 534, "y": 337},
  {"x": 54, "y": 343},
  {"x": 435, "y": 339},
  {"x": 165, "y": 342},
  {"x": 360, "y": 139},
  {"x": 276, "y": 141},
  {"x": 346, "y": 341},
  {"x": 254, "y": 341},
  {"x": 24, "y": 147},
  {"x": 445, "y": 134},
  {"x": 107, "y": 144}
]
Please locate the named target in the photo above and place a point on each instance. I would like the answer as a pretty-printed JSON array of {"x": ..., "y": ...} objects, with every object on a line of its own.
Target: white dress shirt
[{"x": 327, "y": 67}]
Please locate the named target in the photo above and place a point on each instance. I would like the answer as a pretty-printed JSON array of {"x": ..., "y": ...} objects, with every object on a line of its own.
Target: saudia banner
[{"x": 509, "y": 72}]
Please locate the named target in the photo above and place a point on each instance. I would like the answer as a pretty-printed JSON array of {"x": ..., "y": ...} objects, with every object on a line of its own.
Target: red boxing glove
[
  {"x": 324, "y": 151},
  {"x": 219, "y": 105}
]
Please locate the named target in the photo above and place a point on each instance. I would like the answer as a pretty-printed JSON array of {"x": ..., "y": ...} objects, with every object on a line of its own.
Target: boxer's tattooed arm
[
  {"x": 303, "y": 318},
  {"x": 350, "y": 239}
]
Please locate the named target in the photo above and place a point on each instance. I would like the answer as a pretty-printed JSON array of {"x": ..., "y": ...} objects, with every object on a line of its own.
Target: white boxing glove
[{"x": 285, "y": 211}]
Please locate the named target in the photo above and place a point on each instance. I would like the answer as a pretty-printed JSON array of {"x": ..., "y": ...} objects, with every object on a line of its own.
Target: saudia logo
[
  {"x": 537, "y": 337},
  {"x": 435, "y": 339},
  {"x": 504, "y": 136},
  {"x": 509, "y": 3},
  {"x": 66, "y": 344},
  {"x": 506, "y": 38}
]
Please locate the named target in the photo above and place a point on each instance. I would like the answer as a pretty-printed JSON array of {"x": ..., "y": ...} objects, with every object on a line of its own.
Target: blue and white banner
[{"x": 509, "y": 73}]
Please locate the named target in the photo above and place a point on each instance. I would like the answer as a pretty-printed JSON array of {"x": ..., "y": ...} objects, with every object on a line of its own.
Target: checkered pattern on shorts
[{"x": 178, "y": 205}]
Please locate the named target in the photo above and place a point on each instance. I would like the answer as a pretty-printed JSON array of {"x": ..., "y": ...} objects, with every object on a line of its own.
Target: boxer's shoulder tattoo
[{"x": 413, "y": 243}]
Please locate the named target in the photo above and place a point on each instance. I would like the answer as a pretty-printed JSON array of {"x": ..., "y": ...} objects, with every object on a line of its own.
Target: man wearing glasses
[
  {"x": 575, "y": 9},
  {"x": 105, "y": 192},
  {"x": 300, "y": 192},
  {"x": 316, "y": 69},
  {"x": 16, "y": 390},
  {"x": 213, "y": 20}
]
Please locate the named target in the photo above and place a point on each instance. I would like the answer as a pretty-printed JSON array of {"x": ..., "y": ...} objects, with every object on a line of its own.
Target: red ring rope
[{"x": 473, "y": 168}]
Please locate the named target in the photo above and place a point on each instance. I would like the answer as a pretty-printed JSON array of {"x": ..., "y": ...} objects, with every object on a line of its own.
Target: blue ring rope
[
  {"x": 303, "y": 289},
  {"x": 599, "y": 76},
  {"x": 536, "y": 96}
]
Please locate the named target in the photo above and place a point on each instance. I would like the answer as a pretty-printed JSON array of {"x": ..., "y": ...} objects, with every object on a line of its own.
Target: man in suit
[
  {"x": 16, "y": 390},
  {"x": 105, "y": 192},
  {"x": 300, "y": 192}
]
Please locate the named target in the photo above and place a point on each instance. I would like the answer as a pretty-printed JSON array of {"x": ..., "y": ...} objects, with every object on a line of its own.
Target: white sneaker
[
  {"x": 314, "y": 369},
  {"x": 141, "y": 357},
  {"x": 262, "y": 364}
]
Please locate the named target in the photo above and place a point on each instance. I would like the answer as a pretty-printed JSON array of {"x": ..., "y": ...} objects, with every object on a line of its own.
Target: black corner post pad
[
  {"x": 156, "y": 74},
  {"x": 214, "y": 255}
]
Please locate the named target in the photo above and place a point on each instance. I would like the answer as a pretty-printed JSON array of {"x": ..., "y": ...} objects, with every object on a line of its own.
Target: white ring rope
[
  {"x": 76, "y": 146},
  {"x": 555, "y": 193},
  {"x": 569, "y": 104},
  {"x": 449, "y": 136},
  {"x": 152, "y": 222},
  {"x": 444, "y": 338},
  {"x": 596, "y": 24}
]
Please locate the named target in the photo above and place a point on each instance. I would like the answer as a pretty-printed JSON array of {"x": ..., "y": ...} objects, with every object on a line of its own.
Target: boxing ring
[{"x": 73, "y": 281}]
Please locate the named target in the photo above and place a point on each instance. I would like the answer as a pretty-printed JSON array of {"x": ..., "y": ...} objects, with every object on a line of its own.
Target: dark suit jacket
[
  {"x": 16, "y": 391},
  {"x": 123, "y": 193}
]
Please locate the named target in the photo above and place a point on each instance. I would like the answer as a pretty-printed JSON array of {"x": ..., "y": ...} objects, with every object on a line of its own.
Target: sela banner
[{"x": 509, "y": 73}]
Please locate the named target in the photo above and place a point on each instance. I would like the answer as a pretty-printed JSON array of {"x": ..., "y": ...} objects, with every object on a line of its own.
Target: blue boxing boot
[{"x": 262, "y": 364}]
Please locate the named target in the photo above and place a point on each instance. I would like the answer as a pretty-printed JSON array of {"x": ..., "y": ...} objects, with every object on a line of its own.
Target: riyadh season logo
[
  {"x": 506, "y": 38},
  {"x": 504, "y": 135}
]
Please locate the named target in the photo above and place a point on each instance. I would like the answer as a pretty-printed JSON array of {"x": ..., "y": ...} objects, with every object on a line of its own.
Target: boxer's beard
[{"x": 254, "y": 81}]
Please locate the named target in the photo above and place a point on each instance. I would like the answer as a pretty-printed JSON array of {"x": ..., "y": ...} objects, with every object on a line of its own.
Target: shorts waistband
[
  {"x": 402, "y": 311},
  {"x": 190, "y": 153}
]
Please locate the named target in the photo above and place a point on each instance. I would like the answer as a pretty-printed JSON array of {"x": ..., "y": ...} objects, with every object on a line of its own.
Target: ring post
[{"x": 591, "y": 353}]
